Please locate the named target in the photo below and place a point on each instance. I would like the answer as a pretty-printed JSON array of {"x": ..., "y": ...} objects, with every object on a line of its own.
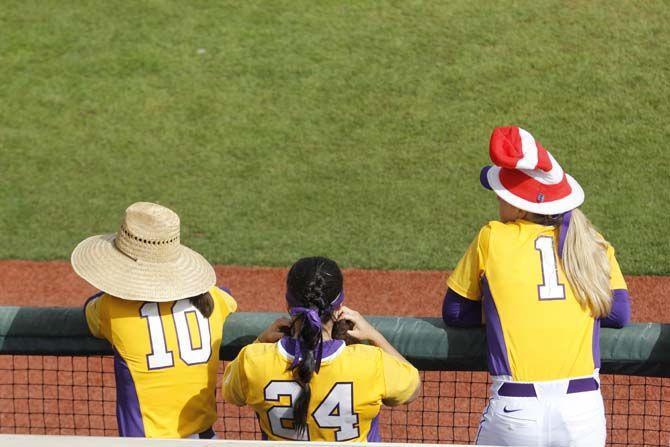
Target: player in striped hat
[{"x": 543, "y": 281}]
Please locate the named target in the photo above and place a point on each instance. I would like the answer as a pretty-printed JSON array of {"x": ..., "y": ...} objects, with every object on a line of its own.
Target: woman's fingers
[
  {"x": 349, "y": 314},
  {"x": 274, "y": 331},
  {"x": 354, "y": 335},
  {"x": 281, "y": 322},
  {"x": 362, "y": 329}
]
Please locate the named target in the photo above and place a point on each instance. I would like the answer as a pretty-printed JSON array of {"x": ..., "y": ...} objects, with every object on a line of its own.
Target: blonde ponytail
[{"x": 586, "y": 265}]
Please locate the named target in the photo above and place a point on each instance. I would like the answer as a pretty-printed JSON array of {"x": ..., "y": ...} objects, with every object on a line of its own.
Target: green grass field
[{"x": 350, "y": 129}]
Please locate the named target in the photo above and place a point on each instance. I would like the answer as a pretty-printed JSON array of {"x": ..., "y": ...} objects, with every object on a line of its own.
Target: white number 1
[
  {"x": 159, "y": 357},
  {"x": 550, "y": 289}
]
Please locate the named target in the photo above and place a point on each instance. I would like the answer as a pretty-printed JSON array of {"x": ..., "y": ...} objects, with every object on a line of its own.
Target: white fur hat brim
[{"x": 490, "y": 179}]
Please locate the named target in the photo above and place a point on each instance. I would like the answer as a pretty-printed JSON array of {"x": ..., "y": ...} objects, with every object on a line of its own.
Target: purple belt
[{"x": 513, "y": 389}]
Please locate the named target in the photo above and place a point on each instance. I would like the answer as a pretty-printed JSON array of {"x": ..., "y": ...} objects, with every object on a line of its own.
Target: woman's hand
[
  {"x": 362, "y": 330},
  {"x": 275, "y": 331}
]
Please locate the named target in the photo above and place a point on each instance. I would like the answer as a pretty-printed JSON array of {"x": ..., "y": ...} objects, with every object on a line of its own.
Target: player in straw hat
[
  {"x": 543, "y": 281},
  {"x": 163, "y": 315}
]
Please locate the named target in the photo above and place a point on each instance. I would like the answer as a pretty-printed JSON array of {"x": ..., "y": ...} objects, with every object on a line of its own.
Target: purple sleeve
[
  {"x": 619, "y": 316},
  {"x": 460, "y": 311}
]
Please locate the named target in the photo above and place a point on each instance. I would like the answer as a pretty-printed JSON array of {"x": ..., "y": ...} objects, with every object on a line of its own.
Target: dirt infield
[{"x": 256, "y": 289}]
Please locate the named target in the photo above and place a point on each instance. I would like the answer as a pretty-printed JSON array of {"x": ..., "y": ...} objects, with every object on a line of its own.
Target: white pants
[{"x": 553, "y": 417}]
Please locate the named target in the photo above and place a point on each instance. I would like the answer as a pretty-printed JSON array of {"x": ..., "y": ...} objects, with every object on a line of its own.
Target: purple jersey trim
[
  {"x": 497, "y": 355},
  {"x": 264, "y": 436},
  {"x": 596, "y": 343},
  {"x": 563, "y": 232},
  {"x": 88, "y": 301},
  {"x": 225, "y": 289},
  {"x": 460, "y": 311},
  {"x": 619, "y": 315},
  {"x": 128, "y": 414},
  {"x": 329, "y": 346},
  {"x": 374, "y": 435}
]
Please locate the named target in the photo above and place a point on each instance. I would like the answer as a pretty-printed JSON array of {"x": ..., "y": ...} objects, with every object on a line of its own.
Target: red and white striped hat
[{"x": 527, "y": 176}]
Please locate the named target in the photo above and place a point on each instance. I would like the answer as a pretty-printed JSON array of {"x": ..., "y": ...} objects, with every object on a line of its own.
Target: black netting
[{"x": 76, "y": 395}]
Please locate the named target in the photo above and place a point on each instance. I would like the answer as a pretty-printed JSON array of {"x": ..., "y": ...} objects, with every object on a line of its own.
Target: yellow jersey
[
  {"x": 166, "y": 357},
  {"x": 536, "y": 329},
  {"x": 346, "y": 393}
]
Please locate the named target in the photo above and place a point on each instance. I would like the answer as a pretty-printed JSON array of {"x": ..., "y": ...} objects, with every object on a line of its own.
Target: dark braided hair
[{"x": 314, "y": 282}]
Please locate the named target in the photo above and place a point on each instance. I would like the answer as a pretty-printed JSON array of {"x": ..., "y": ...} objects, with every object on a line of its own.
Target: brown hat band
[{"x": 137, "y": 248}]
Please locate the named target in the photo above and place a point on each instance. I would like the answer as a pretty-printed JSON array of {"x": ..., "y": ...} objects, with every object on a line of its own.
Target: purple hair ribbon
[
  {"x": 312, "y": 319},
  {"x": 565, "y": 223}
]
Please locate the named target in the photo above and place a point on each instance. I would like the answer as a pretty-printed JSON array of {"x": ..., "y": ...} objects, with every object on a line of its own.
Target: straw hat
[{"x": 144, "y": 260}]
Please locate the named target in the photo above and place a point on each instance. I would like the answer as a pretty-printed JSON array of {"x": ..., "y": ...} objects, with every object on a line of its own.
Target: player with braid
[
  {"x": 546, "y": 281},
  {"x": 306, "y": 384}
]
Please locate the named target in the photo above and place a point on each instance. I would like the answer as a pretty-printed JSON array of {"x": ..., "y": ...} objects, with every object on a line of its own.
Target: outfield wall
[{"x": 639, "y": 349}]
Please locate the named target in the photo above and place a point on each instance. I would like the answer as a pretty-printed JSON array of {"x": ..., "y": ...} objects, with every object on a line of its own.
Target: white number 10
[
  {"x": 160, "y": 357},
  {"x": 550, "y": 289}
]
